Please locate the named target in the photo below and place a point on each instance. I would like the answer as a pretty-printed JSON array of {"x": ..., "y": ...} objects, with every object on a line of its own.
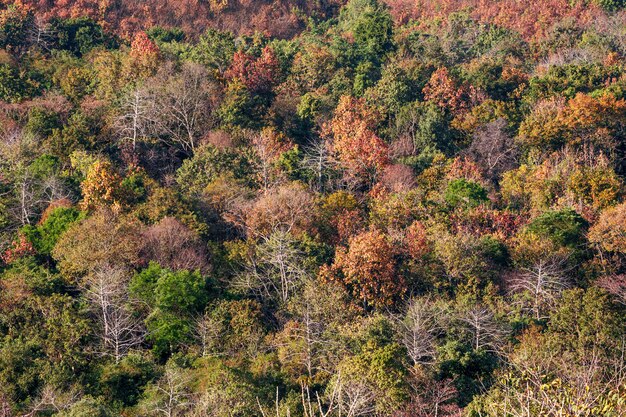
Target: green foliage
[
  {"x": 564, "y": 227},
  {"x": 45, "y": 236},
  {"x": 162, "y": 34},
  {"x": 464, "y": 193},
  {"x": 16, "y": 85},
  {"x": 79, "y": 36},
  {"x": 375, "y": 196},
  {"x": 214, "y": 50},
  {"x": 173, "y": 299},
  {"x": 41, "y": 122},
  {"x": 122, "y": 383}
]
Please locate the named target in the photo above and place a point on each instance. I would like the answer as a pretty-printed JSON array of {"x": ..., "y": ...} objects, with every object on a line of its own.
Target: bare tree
[
  {"x": 136, "y": 119},
  {"x": 121, "y": 330},
  {"x": 319, "y": 159},
  {"x": 275, "y": 269},
  {"x": 418, "y": 330},
  {"x": 184, "y": 104},
  {"x": 51, "y": 399},
  {"x": 431, "y": 399},
  {"x": 486, "y": 333},
  {"x": 170, "y": 396},
  {"x": 318, "y": 408},
  {"x": 173, "y": 245},
  {"x": 493, "y": 148},
  {"x": 542, "y": 281},
  {"x": 208, "y": 332},
  {"x": 355, "y": 397},
  {"x": 615, "y": 285}
]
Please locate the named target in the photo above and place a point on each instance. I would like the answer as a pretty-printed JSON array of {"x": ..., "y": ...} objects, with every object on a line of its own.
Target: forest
[{"x": 330, "y": 208}]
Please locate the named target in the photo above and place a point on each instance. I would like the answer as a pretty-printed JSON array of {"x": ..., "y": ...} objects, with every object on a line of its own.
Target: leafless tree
[
  {"x": 542, "y": 281},
  {"x": 615, "y": 285},
  {"x": 137, "y": 115},
  {"x": 319, "y": 159},
  {"x": 40, "y": 33},
  {"x": 208, "y": 333},
  {"x": 185, "y": 101},
  {"x": 431, "y": 399},
  {"x": 355, "y": 397},
  {"x": 317, "y": 408},
  {"x": 170, "y": 396},
  {"x": 51, "y": 399},
  {"x": 493, "y": 148},
  {"x": 173, "y": 245},
  {"x": 486, "y": 333},
  {"x": 275, "y": 269},
  {"x": 121, "y": 330},
  {"x": 418, "y": 330}
]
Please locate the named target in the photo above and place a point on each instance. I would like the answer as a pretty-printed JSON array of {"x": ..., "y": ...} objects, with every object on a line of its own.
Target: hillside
[{"x": 313, "y": 209}]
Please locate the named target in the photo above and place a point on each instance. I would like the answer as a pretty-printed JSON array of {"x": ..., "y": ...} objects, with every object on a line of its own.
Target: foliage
[{"x": 312, "y": 209}]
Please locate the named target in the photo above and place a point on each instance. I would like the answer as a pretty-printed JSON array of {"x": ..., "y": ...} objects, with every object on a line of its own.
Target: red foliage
[
  {"x": 272, "y": 17},
  {"x": 348, "y": 223},
  {"x": 614, "y": 285},
  {"x": 257, "y": 74},
  {"x": 20, "y": 248},
  {"x": 480, "y": 221}
]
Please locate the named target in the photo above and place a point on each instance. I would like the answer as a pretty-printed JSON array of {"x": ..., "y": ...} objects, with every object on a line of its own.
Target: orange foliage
[
  {"x": 273, "y": 17},
  {"x": 367, "y": 270},
  {"x": 143, "y": 46},
  {"x": 100, "y": 187},
  {"x": 445, "y": 92},
  {"x": 361, "y": 152},
  {"x": 416, "y": 240},
  {"x": 532, "y": 18}
]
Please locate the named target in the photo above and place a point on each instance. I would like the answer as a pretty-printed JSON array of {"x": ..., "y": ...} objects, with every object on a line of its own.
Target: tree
[
  {"x": 16, "y": 22},
  {"x": 418, "y": 330},
  {"x": 169, "y": 396},
  {"x": 121, "y": 330},
  {"x": 136, "y": 117},
  {"x": 564, "y": 227},
  {"x": 609, "y": 232},
  {"x": 494, "y": 149},
  {"x": 259, "y": 75},
  {"x": 286, "y": 208},
  {"x": 464, "y": 193},
  {"x": 184, "y": 103},
  {"x": 102, "y": 239},
  {"x": 355, "y": 143},
  {"x": 543, "y": 273},
  {"x": 173, "y": 299},
  {"x": 367, "y": 270},
  {"x": 101, "y": 187},
  {"x": 269, "y": 145},
  {"x": 486, "y": 333},
  {"x": 275, "y": 269},
  {"x": 172, "y": 245},
  {"x": 445, "y": 92}
]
